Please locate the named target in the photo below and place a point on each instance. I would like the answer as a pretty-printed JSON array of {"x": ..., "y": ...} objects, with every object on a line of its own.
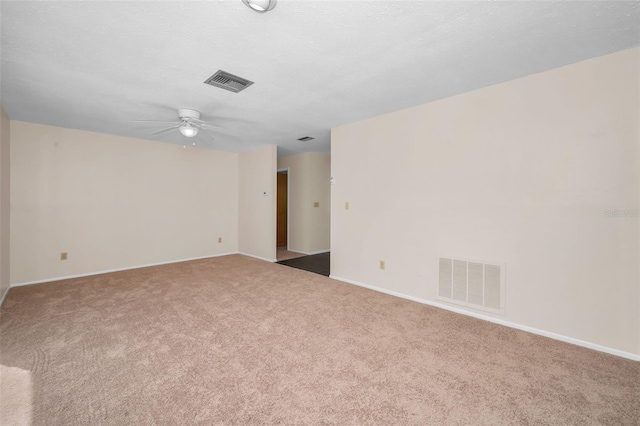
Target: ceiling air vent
[
  {"x": 227, "y": 81},
  {"x": 306, "y": 139}
]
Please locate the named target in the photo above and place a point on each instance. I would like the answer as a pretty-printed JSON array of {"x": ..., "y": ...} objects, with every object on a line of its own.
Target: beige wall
[
  {"x": 309, "y": 226},
  {"x": 257, "y": 203},
  {"x": 114, "y": 202},
  {"x": 5, "y": 177},
  {"x": 520, "y": 172}
]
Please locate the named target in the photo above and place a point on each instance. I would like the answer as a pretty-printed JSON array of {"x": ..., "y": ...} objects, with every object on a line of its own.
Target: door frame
[{"x": 288, "y": 172}]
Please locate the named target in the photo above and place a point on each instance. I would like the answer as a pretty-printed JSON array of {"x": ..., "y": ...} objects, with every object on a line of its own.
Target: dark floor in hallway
[{"x": 316, "y": 263}]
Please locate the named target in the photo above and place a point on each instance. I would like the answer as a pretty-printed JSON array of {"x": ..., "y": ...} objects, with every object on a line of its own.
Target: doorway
[
  {"x": 282, "y": 227},
  {"x": 283, "y": 217}
]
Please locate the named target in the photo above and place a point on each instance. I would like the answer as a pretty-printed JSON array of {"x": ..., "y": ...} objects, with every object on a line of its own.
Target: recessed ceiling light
[{"x": 260, "y": 6}]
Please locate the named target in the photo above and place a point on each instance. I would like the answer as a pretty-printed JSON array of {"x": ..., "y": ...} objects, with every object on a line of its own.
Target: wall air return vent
[
  {"x": 227, "y": 81},
  {"x": 306, "y": 139},
  {"x": 476, "y": 284}
]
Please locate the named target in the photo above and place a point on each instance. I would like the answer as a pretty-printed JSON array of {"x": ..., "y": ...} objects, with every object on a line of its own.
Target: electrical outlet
[
  {"x": 346, "y": 205},
  {"x": 316, "y": 204},
  {"x": 382, "y": 265},
  {"x": 63, "y": 255},
  {"x": 219, "y": 239}
]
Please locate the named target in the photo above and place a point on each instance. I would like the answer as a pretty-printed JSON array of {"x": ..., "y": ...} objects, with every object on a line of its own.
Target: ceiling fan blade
[
  {"x": 154, "y": 121},
  {"x": 205, "y": 124},
  {"x": 210, "y": 126},
  {"x": 209, "y": 136},
  {"x": 168, "y": 129}
]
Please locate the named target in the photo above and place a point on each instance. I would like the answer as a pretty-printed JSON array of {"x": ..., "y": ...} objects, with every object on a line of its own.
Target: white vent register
[
  {"x": 226, "y": 80},
  {"x": 476, "y": 284}
]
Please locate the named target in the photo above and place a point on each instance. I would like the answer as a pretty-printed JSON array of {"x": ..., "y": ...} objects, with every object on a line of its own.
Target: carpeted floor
[{"x": 235, "y": 340}]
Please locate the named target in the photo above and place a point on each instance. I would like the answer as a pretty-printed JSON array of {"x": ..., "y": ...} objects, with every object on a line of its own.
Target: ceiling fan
[{"x": 188, "y": 124}]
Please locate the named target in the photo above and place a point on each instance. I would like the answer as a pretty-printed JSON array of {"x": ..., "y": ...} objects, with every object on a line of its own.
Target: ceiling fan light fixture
[
  {"x": 188, "y": 130},
  {"x": 260, "y": 6}
]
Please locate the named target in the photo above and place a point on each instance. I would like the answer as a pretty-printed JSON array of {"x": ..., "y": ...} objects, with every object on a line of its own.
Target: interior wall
[
  {"x": 525, "y": 172},
  {"x": 257, "y": 203},
  {"x": 5, "y": 178},
  {"x": 309, "y": 183},
  {"x": 113, "y": 202}
]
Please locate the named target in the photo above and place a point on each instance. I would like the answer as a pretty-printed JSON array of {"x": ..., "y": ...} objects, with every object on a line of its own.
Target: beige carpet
[{"x": 234, "y": 340}]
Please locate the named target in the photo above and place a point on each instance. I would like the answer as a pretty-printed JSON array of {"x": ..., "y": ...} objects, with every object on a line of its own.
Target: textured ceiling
[{"x": 97, "y": 65}]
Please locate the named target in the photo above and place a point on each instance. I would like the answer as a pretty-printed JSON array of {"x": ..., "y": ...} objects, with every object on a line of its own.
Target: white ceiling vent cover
[
  {"x": 228, "y": 81},
  {"x": 472, "y": 283}
]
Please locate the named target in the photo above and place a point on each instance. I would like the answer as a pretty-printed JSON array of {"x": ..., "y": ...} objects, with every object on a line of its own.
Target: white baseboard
[
  {"x": 318, "y": 252},
  {"x": 4, "y": 295},
  {"x": 117, "y": 270},
  {"x": 258, "y": 257},
  {"x": 309, "y": 253},
  {"x": 296, "y": 251},
  {"x": 578, "y": 342}
]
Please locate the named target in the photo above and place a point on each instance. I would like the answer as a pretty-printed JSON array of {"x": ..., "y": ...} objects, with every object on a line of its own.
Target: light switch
[
  {"x": 316, "y": 204},
  {"x": 346, "y": 205}
]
